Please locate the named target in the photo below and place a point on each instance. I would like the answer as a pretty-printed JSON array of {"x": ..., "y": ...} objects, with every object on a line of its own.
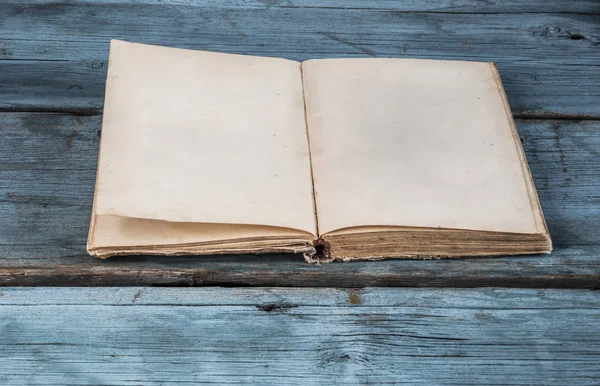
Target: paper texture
[
  {"x": 414, "y": 143},
  {"x": 192, "y": 136},
  {"x": 118, "y": 231},
  {"x": 208, "y": 153}
]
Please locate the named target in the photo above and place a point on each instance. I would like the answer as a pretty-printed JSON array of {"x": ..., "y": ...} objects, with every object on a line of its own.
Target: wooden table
[{"x": 537, "y": 322}]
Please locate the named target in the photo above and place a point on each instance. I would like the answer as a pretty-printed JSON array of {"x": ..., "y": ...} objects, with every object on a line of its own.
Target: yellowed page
[
  {"x": 116, "y": 231},
  {"x": 415, "y": 143},
  {"x": 192, "y": 136}
]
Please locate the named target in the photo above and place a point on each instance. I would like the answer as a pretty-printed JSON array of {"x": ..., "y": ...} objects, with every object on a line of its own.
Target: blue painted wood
[
  {"x": 298, "y": 336},
  {"x": 47, "y": 173},
  {"x": 53, "y": 54},
  {"x": 53, "y": 58}
]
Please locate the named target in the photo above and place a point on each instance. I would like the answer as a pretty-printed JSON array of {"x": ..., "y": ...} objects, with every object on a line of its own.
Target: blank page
[
  {"x": 415, "y": 143},
  {"x": 116, "y": 231},
  {"x": 202, "y": 137}
]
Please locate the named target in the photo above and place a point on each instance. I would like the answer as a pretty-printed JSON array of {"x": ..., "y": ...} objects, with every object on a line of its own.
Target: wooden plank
[
  {"x": 53, "y": 55},
  {"x": 289, "y": 336},
  {"x": 589, "y": 7},
  {"x": 47, "y": 173},
  {"x": 567, "y": 267}
]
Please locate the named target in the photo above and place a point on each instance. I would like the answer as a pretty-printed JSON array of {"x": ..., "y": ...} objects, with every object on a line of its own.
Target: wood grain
[
  {"x": 288, "y": 336},
  {"x": 47, "y": 173},
  {"x": 53, "y": 54},
  {"x": 53, "y": 58}
]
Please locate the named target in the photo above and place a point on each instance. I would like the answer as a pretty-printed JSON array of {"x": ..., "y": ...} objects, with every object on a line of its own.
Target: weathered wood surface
[
  {"x": 53, "y": 57},
  {"x": 53, "y": 54},
  {"x": 47, "y": 173},
  {"x": 299, "y": 336}
]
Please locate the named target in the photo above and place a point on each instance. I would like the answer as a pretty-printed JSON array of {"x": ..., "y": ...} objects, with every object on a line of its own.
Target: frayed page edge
[{"x": 319, "y": 253}]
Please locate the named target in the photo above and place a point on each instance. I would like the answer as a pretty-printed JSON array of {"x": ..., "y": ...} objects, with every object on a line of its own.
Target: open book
[{"x": 337, "y": 159}]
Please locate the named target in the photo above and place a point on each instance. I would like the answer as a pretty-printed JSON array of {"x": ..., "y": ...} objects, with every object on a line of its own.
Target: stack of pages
[{"x": 337, "y": 159}]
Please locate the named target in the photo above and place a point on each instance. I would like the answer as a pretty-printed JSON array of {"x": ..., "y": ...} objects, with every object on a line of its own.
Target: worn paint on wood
[
  {"x": 53, "y": 58},
  {"x": 53, "y": 54},
  {"x": 298, "y": 336},
  {"x": 47, "y": 173}
]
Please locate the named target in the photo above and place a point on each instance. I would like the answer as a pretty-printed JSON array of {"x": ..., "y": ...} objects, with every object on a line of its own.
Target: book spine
[{"x": 321, "y": 254}]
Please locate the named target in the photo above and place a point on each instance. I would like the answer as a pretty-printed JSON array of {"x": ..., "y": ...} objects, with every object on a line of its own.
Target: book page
[
  {"x": 202, "y": 137},
  {"x": 415, "y": 143},
  {"x": 115, "y": 231}
]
